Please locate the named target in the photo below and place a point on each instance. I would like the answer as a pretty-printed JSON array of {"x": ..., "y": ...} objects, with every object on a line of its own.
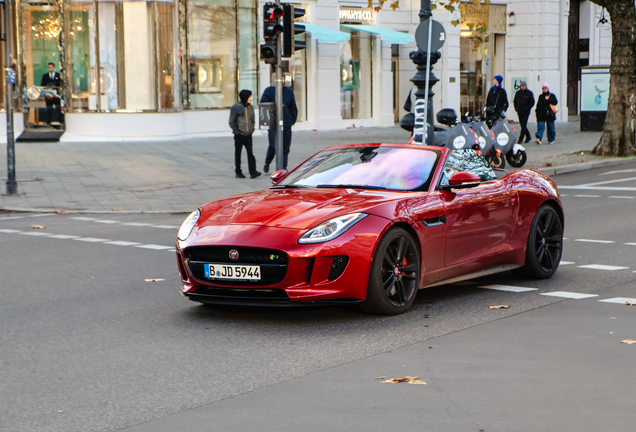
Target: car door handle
[{"x": 431, "y": 222}]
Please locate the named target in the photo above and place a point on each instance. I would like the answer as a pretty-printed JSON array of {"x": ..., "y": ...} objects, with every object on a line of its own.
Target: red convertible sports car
[{"x": 370, "y": 224}]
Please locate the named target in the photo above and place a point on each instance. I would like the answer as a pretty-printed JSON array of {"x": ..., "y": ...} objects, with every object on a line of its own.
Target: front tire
[
  {"x": 517, "y": 160},
  {"x": 394, "y": 276},
  {"x": 497, "y": 161},
  {"x": 545, "y": 244}
]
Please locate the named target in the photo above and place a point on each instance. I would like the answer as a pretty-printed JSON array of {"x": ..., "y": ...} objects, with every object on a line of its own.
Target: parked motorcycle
[
  {"x": 455, "y": 135},
  {"x": 506, "y": 142},
  {"x": 484, "y": 135}
]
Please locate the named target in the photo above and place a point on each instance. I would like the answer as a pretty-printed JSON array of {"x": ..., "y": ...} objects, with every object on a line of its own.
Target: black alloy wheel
[
  {"x": 545, "y": 245},
  {"x": 517, "y": 160},
  {"x": 395, "y": 274}
]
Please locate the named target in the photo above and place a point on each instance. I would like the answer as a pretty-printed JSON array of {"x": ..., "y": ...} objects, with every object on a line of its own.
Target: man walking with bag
[
  {"x": 524, "y": 101},
  {"x": 242, "y": 122},
  {"x": 546, "y": 114}
]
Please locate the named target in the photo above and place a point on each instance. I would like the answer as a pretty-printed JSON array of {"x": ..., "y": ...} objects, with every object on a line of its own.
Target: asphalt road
[{"x": 86, "y": 344}]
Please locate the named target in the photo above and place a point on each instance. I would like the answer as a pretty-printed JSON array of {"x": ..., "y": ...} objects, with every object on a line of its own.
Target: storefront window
[
  {"x": 298, "y": 66},
  {"x": 80, "y": 51},
  {"x": 248, "y": 47},
  {"x": 355, "y": 76},
  {"x": 212, "y": 53}
]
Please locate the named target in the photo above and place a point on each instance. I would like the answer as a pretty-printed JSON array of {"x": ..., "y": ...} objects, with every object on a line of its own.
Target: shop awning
[
  {"x": 326, "y": 35},
  {"x": 391, "y": 36}
]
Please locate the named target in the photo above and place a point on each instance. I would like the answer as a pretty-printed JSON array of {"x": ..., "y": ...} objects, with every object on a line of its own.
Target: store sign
[{"x": 355, "y": 15}]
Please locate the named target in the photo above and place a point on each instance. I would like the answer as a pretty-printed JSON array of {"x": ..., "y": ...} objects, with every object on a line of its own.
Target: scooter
[
  {"x": 484, "y": 134},
  {"x": 455, "y": 135},
  {"x": 506, "y": 143}
]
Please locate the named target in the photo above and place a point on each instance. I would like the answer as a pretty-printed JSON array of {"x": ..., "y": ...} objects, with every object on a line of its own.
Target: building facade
[{"x": 167, "y": 69}]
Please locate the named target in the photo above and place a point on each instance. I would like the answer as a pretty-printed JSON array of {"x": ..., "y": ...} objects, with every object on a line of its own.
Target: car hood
[{"x": 292, "y": 208}]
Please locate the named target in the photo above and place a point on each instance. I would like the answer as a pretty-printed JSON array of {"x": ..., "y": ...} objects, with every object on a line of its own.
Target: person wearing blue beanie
[{"x": 497, "y": 100}]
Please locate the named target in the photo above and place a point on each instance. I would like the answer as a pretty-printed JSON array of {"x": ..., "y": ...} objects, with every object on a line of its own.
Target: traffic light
[
  {"x": 271, "y": 30},
  {"x": 290, "y": 29}
]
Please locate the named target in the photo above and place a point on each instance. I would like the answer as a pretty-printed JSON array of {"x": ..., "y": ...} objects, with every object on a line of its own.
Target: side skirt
[{"x": 492, "y": 270}]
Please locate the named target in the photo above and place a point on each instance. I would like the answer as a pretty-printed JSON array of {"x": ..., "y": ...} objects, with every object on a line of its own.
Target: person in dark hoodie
[
  {"x": 524, "y": 102},
  {"x": 497, "y": 99},
  {"x": 290, "y": 115},
  {"x": 545, "y": 115},
  {"x": 242, "y": 122}
]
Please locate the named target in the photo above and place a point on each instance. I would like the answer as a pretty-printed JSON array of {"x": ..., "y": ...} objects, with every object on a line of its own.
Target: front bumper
[{"x": 313, "y": 272}]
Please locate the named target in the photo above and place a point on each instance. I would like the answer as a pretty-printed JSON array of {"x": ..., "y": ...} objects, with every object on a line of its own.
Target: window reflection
[
  {"x": 467, "y": 160},
  {"x": 355, "y": 76}
]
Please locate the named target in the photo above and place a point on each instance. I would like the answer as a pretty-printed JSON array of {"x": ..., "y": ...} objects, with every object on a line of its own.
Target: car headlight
[
  {"x": 188, "y": 224},
  {"x": 332, "y": 228}
]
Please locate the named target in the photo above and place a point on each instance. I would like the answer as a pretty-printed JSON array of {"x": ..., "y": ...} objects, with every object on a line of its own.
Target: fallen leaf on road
[
  {"x": 627, "y": 341},
  {"x": 154, "y": 280},
  {"x": 628, "y": 303},
  {"x": 381, "y": 378},
  {"x": 115, "y": 209},
  {"x": 613, "y": 318},
  {"x": 407, "y": 379},
  {"x": 38, "y": 226},
  {"x": 498, "y": 307}
]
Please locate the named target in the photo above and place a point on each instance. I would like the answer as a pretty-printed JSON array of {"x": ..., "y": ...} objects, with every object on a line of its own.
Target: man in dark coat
[
  {"x": 524, "y": 101},
  {"x": 242, "y": 122},
  {"x": 545, "y": 115},
  {"x": 290, "y": 115},
  {"x": 51, "y": 79},
  {"x": 497, "y": 99}
]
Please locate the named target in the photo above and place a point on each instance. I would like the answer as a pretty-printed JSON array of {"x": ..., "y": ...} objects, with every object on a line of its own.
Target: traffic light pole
[
  {"x": 279, "y": 100},
  {"x": 12, "y": 184}
]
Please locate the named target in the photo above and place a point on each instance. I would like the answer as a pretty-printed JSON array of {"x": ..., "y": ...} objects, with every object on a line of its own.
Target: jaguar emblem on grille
[{"x": 234, "y": 254}]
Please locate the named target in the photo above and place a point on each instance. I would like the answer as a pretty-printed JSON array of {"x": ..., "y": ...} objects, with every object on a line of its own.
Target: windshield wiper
[
  {"x": 352, "y": 186},
  {"x": 289, "y": 186}
]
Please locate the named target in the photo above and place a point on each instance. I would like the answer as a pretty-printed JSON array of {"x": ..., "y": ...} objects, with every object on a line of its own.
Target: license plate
[{"x": 233, "y": 272}]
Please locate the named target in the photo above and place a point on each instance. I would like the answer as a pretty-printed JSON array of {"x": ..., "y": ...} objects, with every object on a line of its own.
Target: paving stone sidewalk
[{"x": 179, "y": 176}]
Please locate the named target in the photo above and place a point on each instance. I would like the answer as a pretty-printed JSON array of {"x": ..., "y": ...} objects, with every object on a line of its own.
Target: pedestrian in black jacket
[
  {"x": 524, "y": 101},
  {"x": 545, "y": 115},
  {"x": 52, "y": 79},
  {"x": 242, "y": 122},
  {"x": 290, "y": 115},
  {"x": 497, "y": 99}
]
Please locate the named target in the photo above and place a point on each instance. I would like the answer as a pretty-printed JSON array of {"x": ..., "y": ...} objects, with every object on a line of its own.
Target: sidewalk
[{"x": 179, "y": 176}]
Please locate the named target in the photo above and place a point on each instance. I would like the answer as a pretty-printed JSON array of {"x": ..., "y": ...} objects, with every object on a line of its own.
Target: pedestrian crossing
[{"x": 96, "y": 220}]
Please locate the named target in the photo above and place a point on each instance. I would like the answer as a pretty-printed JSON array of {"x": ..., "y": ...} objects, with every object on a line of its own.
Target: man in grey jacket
[{"x": 242, "y": 122}]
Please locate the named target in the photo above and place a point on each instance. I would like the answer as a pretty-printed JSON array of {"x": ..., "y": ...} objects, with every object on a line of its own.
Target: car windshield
[{"x": 370, "y": 167}]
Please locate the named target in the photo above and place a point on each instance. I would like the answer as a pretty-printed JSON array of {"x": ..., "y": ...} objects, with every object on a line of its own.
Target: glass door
[{"x": 42, "y": 64}]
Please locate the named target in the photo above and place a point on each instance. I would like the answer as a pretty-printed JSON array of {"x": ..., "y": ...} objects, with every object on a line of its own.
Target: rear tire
[
  {"x": 497, "y": 161},
  {"x": 517, "y": 160},
  {"x": 545, "y": 244},
  {"x": 395, "y": 274}
]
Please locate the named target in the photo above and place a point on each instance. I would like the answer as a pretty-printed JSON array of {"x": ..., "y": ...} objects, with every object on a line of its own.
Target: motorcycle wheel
[
  {"x": 517, "y": 160},
  {"x": 497, "y": 161}
]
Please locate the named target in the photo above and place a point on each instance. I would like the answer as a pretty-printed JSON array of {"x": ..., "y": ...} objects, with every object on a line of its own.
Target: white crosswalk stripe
[
  {"x": 602, "y": 267},
  {"x": 509, "y": 288},
  {"x": 566, "y": 263},
  {"x": 154, "y": 246},
  {"x": 11, "y": 218},
  {"x": 35, "y": 233},
  {"x": 570, "y": 295},
  {"x": 619, "y": 300},
  {"x": 595, "y": 241},
  {"x": 64, "y": 236},
  {"x": 622, "y": 197},
  {"x": 122, "y": 243},
  {"x": 91, "y": 239}
]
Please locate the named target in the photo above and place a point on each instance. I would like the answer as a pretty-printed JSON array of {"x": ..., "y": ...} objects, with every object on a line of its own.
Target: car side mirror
[
  {"x": 278, "y": 176},
  {"x": 461, "y": 180}
]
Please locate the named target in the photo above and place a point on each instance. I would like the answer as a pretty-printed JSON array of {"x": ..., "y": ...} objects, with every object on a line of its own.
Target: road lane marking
[
  {"x": 595, "y": 241},
  {"x": 11, "y": 218},
  {"x": 81, "y": 218},
  {"x": 35, "y": 233},
  {"x": 599, "y": 188},
  {"x": 43, "y": 215},
  {"x": 588, "y": 196},
  {"x": 602, "y": 267},
  {"x": 10, "y": 231},
  {"x": 566, "y": 263},
  {"x": 107, "y": 221},
  {"x": 609, "y": 182},
  {"x": 154, "y": 246},
  {"x": 91, "y": 239},
  {"x": 620, "y": 300},
  {"x": 166, "y": 226},
  {"x": 122, "y": 243},
  {"x": 508, "y": 288},
  {"x": 64, "y": 236},
  {"x": 621, "y": 197},
  {"x": 630, "y": 244},
  {"x": 618, "y": 171},
  {"x": 570, "y": 295},
  {"x": 136, "y": 224}
]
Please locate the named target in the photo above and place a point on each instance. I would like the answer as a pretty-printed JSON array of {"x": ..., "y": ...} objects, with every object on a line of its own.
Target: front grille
[
  {"x": 236, "y": 293},
  {"x": 338, "y": 266},
  {"x": 273, "y": 263}
]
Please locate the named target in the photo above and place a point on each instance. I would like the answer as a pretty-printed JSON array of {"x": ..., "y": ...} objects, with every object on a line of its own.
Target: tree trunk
[{"x": 620, "y": 124}]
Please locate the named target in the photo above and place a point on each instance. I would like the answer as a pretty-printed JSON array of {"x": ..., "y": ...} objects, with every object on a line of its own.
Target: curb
[{"x": 584, "y": 166}]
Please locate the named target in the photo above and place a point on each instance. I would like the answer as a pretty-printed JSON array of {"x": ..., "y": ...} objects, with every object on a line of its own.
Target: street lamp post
[
  {"x": 12, "y": 184},
  {"x": 421, "y": 81}
]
